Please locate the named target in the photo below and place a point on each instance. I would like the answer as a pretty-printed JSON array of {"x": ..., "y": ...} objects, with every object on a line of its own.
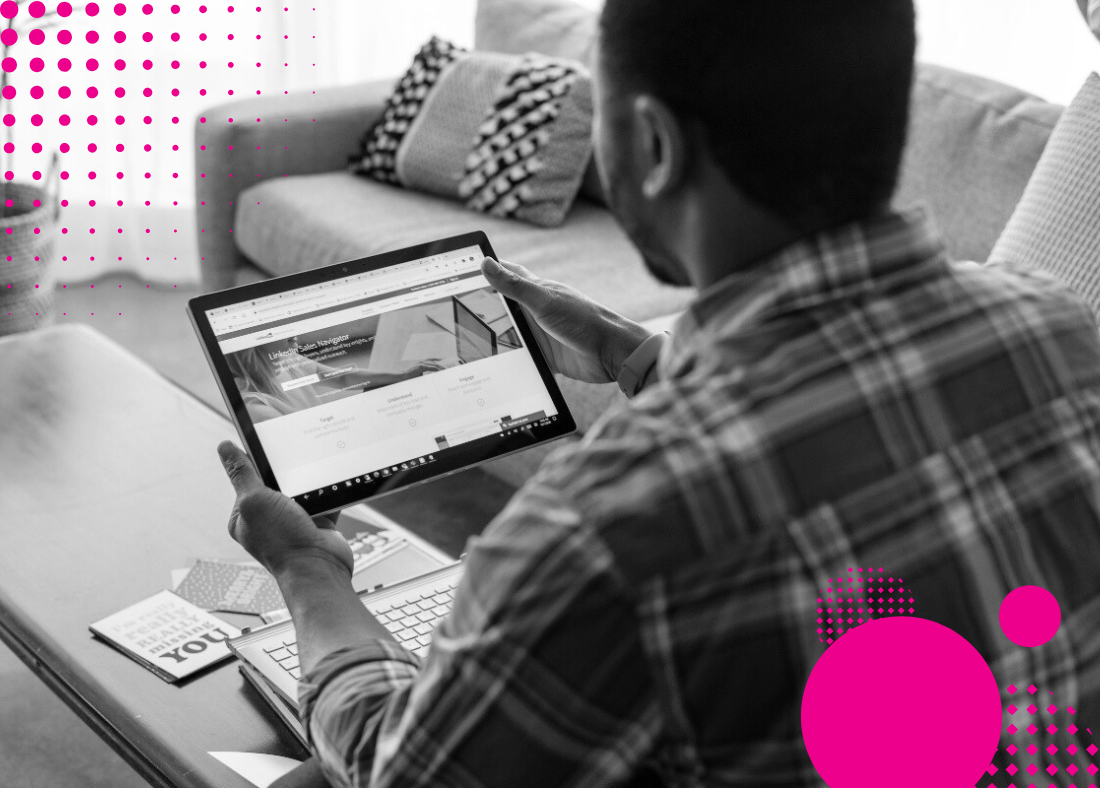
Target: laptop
[{"x": 409, "y": 610}]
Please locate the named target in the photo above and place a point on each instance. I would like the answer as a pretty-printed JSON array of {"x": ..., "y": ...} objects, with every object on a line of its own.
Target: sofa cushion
[
  {"x": 973, "y": 144},
  {"x": 510, "y": 135},
  {"x": 558, "y": 28},
  {"x": 287, "y": 225},
  {"x": 1056, "y": 226}
]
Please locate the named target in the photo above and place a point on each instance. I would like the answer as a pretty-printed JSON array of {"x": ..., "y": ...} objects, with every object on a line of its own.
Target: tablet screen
[{"x": 355, "y": 380}]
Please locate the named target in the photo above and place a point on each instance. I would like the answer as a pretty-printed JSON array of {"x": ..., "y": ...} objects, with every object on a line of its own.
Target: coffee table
[{"x": 108, "y": 480}]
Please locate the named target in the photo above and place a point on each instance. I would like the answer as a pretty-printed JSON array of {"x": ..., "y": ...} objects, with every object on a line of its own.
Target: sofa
[{"x": 274, "y": 195}]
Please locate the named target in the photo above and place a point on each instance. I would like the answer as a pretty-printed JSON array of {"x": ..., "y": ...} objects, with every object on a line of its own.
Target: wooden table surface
[{"x": 109, "y": 479}]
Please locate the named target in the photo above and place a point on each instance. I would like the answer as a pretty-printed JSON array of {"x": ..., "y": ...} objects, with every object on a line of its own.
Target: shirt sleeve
[{"x": 537, "y": 678}]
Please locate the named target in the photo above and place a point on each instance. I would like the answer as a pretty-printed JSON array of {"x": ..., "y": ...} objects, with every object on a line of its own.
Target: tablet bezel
[{"x": 452, "y": 459}]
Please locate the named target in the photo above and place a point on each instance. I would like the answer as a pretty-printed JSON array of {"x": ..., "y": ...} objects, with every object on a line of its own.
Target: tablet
[{"x": 358, "y": 379}]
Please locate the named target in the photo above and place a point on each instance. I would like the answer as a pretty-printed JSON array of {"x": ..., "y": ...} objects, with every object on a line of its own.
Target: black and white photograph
[{"x": 550, "y": 394}]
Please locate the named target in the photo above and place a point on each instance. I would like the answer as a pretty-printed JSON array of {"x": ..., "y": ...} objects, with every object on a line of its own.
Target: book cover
[{"x": 168, "y": 635}]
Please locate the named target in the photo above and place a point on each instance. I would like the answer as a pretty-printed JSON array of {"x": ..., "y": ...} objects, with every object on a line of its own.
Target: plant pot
[{"x": 29, "y": 231}]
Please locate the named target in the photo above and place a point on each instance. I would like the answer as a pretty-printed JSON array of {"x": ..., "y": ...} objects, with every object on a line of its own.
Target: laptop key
[
  {"x": 425, "y": 640},
  {"x": 405, "y": 634},
  {"x": 293, "y": 649},
  {"x": 422, "y": 629},
  {"x": 290, "y": 664},
  {"x": 427, "y": 615},
  {"x": 280, "y": 653},
  {"x": 296, "y": 674}
]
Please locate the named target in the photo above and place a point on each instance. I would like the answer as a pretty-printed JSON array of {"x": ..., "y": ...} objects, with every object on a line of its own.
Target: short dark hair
[{"x": 805, "y": 103}]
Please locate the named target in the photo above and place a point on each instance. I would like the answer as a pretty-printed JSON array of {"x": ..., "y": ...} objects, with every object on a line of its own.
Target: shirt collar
[{"x": 831, "y": 265}]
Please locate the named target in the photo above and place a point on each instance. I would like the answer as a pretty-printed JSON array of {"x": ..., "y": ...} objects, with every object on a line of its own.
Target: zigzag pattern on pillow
[
  {"x": 517, "y": 129},
  {"x": 377, "y": 156}
]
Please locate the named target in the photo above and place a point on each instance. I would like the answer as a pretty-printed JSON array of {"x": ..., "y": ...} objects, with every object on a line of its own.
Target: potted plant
[{"x": 28, "y": 211}]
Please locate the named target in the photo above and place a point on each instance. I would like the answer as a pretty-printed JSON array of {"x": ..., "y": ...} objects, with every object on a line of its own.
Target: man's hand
[
  {"x": 581, "y": 339},
  {"x": 275, "y": 530}
]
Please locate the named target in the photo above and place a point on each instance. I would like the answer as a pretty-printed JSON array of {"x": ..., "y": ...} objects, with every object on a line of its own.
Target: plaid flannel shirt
[{"x": 646, "y": 605}]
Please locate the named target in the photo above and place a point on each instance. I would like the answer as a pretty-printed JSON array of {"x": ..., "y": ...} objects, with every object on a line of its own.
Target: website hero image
[{"x": 354, "y": 376}]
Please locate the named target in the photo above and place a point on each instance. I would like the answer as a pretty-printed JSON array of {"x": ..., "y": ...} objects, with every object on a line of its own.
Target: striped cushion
[
  {"x": 1056, "y": 224},
  {"x": 509, "y": 135}
]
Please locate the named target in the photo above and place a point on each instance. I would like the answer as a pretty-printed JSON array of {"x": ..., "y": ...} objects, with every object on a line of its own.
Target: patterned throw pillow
[{"x": 509, "y": 135}]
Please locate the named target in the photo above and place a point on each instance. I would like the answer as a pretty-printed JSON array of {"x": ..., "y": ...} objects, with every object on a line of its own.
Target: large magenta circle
[{"x": 905, "y": 674}]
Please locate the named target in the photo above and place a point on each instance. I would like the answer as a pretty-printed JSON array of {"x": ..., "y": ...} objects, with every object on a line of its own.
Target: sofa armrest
[{"x": 296, "y": 134}]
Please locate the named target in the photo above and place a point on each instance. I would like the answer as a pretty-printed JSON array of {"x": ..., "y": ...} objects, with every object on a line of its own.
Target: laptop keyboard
[{"x": 410, "y": 620}]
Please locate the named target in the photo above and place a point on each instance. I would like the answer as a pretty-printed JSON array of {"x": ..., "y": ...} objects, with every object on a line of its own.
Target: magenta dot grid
[
  {"x": 114, "y": 89},
  {"x": 861, "y": 594},
  {"x": 1041, "y": 739}
]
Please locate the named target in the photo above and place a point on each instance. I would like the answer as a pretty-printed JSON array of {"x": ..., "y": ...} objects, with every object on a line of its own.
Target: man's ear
[{"x": 664, "y": 146}]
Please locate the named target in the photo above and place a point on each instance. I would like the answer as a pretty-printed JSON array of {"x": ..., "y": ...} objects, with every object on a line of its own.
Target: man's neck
[{"x": 722, "y": 232}]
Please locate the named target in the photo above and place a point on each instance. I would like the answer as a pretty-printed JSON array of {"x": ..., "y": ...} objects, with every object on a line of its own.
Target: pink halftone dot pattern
[
  {"x": 1030, "y": 616},
  {"x": 863, "y": 595},
  {"x": 888, "y": 668}
]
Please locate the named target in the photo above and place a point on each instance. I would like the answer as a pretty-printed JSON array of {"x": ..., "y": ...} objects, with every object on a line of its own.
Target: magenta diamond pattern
[{"x": 1052, "y": 749}]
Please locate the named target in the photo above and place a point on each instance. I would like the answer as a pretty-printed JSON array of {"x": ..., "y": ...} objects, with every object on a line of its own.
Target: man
[{"x": 838, "y": 395}]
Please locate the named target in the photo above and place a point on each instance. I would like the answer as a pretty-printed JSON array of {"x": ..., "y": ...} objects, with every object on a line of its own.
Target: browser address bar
[
  {"x": 340, "y": 294},
  {"x": 355, "y": 290}
]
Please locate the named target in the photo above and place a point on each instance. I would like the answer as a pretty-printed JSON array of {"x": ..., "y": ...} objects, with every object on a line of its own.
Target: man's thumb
[
  {"x": 238, "y": 466},
  {"x": 510, "y": 284}
]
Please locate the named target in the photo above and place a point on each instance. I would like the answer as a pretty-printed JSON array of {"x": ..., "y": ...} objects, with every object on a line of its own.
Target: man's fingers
[{"x": 238, "y": 466}]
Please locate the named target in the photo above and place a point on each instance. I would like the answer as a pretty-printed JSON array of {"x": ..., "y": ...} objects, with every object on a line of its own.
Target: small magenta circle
[
  {"x": 1030, "y": 616},
  {"x": 92, "y": 9}
]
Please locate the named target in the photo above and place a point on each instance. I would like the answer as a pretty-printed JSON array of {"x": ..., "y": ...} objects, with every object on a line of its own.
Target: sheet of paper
[{"x": 259, "y": 769}]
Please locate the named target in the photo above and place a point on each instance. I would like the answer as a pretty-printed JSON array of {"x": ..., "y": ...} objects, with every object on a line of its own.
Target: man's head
[{"x": 790, "y": 113}]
